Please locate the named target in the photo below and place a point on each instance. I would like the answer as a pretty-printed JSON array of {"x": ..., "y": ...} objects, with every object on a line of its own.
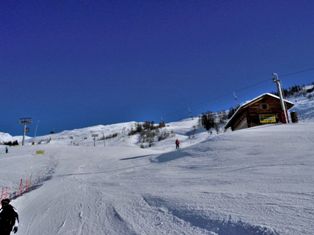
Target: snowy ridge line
[
  {"x": 126, "y": 228},
  {"x": 29, "y": 186},
  {"x": 212, "y": 225},
  {"x": 131, "y": 158},
  {"x": 101, "y": 172},
  {"x": 21, "y": 189},
  {"x": 5, "y": 192},
  {"x": 39, "y": 183}
]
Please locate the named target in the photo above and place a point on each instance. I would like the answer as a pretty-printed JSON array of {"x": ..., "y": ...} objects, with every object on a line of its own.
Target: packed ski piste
[{"x": 104, "y": 180}]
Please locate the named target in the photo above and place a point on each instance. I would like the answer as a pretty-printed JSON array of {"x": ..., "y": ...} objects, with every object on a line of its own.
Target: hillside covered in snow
[
  {"x": 106, "y": 180},
  {"x": 253, "y": 181},
  {"x": 304, "y": 103}
]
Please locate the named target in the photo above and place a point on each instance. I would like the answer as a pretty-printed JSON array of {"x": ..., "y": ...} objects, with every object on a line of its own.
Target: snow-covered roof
[{"x": 262, "y": 95}]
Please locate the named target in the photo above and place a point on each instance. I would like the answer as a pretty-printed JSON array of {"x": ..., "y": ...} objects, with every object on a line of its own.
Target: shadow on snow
[{"x": 166, "y": 157}]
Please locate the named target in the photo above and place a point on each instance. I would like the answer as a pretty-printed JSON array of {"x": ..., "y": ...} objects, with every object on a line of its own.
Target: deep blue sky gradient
[{"x": 72, "y": 64}]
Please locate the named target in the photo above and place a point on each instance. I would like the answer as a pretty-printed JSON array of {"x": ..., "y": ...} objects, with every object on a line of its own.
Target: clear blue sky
[{"x": 72, "y": 64}]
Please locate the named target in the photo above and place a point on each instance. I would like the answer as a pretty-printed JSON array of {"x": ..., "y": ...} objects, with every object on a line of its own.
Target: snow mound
[
  {"x": 304, "y": 106},
  {"x": 209, "y": 222}
]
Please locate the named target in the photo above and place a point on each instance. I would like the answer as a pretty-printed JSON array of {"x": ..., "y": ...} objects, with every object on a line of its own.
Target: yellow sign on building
[{"x": 267, "y": 118}]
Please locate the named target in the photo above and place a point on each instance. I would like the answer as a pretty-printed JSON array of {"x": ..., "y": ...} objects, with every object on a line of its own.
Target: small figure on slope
[{"x": 177, "y": 144}]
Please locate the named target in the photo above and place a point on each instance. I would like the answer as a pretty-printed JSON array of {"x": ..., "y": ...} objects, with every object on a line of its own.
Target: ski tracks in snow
[{"x": 207, "y": 224}]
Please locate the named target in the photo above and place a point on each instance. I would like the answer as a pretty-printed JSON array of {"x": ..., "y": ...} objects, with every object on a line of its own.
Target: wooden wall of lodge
[
  {"x": 252, "y": 112},
  {"x": 274, "y": 107}
]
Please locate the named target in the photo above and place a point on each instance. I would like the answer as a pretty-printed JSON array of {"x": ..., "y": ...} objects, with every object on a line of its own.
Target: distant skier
[
  {"x": 177, "y": 144},
  {"x": 8, "y": 218},
  {"x": 6, "y": 149}
]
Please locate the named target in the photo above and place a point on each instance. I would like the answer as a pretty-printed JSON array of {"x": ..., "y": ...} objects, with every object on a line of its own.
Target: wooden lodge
[{"x": 264, "y": 109}]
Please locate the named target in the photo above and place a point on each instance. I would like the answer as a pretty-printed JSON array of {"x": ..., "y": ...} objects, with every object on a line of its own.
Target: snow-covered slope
[
  {"x": 85, "y": 136},
  {"x": 4, "y": 137},
  {"x": 304, "y": 104},
  {"x": 187, "y": 131},
  {"x": 254, "y": 181}
]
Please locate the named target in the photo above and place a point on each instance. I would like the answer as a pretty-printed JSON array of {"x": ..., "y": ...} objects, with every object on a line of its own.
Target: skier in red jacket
[{"x": 177, "y": 144}]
